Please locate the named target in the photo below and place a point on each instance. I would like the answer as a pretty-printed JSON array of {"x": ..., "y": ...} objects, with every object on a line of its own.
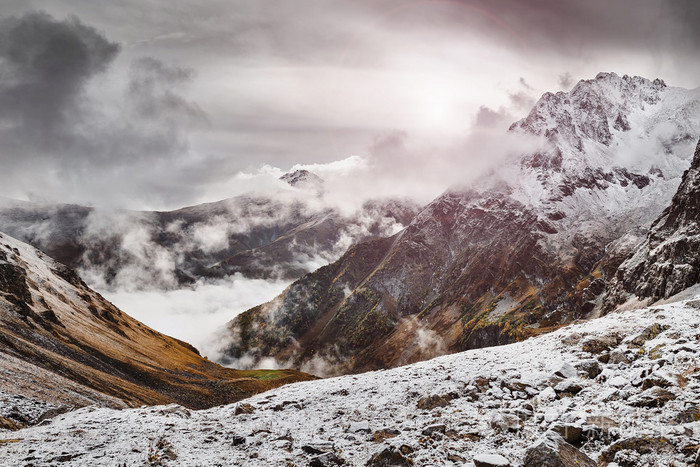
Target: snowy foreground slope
[{"x": 622, "y": 388}]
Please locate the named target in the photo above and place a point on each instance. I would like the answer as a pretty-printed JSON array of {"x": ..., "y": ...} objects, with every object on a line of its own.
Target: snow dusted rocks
[
  {"x": 566, "y": 371},
  {"x": 373, "y": 419},
  {"x": 553, "y": 451}
]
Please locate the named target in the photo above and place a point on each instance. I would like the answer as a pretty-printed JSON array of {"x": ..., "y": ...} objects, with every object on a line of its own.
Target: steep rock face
[
  {"x": 520, "y": 252},
  {"x": 62, "y": 340},
  {"x": 669, "y": 259}
]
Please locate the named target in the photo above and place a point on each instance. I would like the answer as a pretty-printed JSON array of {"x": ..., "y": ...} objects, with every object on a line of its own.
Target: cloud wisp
[{"x": 65, "y": 139}]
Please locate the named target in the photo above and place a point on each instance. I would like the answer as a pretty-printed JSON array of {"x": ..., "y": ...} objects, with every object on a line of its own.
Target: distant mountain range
[
  {"x": 280, "y": 236},
  {"x": 526, "y": 249}
]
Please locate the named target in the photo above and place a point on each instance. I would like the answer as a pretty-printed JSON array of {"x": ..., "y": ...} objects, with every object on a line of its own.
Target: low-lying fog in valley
[{"x": 192, "y": 313}]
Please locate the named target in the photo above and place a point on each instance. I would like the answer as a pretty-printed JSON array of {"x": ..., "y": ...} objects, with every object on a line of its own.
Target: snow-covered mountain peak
[
  {"x": 303, "y": 179},
  {"x": 607, "y": 139},
  {"x": 593, "y": 109}
]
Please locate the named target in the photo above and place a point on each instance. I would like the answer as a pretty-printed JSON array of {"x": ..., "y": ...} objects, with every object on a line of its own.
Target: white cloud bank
[{"x": 195, "y": 314}]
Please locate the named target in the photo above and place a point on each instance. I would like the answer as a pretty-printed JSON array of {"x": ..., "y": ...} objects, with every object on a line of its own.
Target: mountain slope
[
  {"x": 623, "y": 388},
  {"x": 64, "y": 342},
  {"x": 522, "y": 251},
  {"x": 669, "y": 260}
]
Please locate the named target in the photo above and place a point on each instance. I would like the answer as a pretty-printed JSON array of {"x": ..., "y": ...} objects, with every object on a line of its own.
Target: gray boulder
[{"x": 553, "y": 451}]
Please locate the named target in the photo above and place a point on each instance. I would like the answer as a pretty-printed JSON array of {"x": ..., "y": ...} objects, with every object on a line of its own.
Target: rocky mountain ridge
[
  {"x": 523, "y": 251},
  {"x": 667, "y": 262}
]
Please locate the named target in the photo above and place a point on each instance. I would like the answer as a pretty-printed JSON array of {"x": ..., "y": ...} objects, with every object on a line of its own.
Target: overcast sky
[{"x": 161, "y": 103}]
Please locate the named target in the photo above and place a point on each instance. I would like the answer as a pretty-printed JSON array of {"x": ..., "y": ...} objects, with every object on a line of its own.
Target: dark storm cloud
[
  {"x": 345, "y": 33},
  {"x": 64, "y": 140},
  {"x": 45, "y": 64},
  {"x": 151, "y": 88},
  {"x": 576, "y": 25}
]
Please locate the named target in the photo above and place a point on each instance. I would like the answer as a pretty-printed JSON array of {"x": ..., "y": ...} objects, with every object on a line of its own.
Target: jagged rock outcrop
[
  {"x": 61, "y": 342},
  {"x": 525, "y": 249},
  {"x": 669, "y": 259}
]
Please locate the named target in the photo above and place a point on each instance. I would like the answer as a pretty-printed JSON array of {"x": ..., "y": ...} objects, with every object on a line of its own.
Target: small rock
[
  {"x": 433, "y": 429},
  {"x": 490, "y": 460},
  {"x": 656, "y": 379},
  {"x": 387, "y": 433},
  {"x": 649, "y": 333},
  {"x": 594, "y": 289},
  {"x": 506, "y": 422},
  {"x": 640, "y": 444},
  {"x": 553, "y": 451},
  {"x": 389, "y": 456},
  {"x": 326, "y": 459},
  {"x": 617, "y": 356},
  {"x": 317, "y": 448},
  {"x": 692, "y": 451},
  {"x": 359, "y": 427},
  {"x": 689, "y": 415},
  {"x": 237, "y": 440},
  {"x": 568, "y": 387},
  {"x": 566, "y": 371},
  {"x": 639, "y": 375},
  {"x": 597, "y": 345},
  {"x": 656, "y": 353},
  {"x": 405, "y": 449},
  {"x": 653, "y": 397},
  {"x": 570, "y": 433},
  {"x": 590, "y": 368},
  {"x": 618, "y": 381}
]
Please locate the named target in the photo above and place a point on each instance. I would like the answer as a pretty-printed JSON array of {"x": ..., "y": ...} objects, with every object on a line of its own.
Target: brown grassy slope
[{"x": 51, "y": 320}]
